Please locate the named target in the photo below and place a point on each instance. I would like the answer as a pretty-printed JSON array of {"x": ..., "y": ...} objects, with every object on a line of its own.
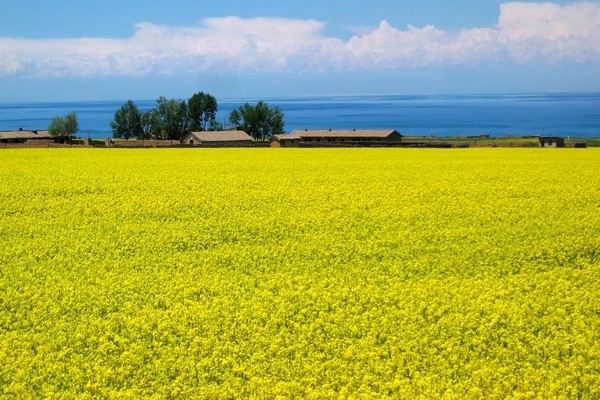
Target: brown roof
[
  {"x": 339, "y": 133},
  {"x": 24, "y": 135},
  {"x": 285, "y": 136},
  {"x": 221, "y": 136}
]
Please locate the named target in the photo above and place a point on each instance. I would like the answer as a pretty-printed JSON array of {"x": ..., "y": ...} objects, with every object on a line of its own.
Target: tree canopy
[
  {"x": 65, "y": 126},
  {"x": 259, "y": 121},
  {"x": 202, "y": 110},
  {"x": 170, "y": 119},
  {"x": 127, "y": 122}
]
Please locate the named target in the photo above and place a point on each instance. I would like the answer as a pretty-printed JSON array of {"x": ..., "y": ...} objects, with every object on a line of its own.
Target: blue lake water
[{"x": 563, "y": 114}]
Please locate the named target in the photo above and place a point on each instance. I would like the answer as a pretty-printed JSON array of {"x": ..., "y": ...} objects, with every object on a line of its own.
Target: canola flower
[{"x": 300, "y": 273}]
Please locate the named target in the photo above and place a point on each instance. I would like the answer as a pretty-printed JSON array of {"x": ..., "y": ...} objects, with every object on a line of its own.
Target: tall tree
[
  {"x": 259, "y": 121},
  {"x": 170, "y": 119},
  {"x": 202, "y": 111},
  {"x": 148, "y": 123},
  {"x": 65, "y": 126},
  {"x": 127, "y": 122}
]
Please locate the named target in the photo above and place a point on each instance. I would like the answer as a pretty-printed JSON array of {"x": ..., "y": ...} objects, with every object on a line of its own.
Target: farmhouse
[
  {"x": 23, "y": 136},
  {"x": 552, "y": 141},
  {"x": 336, "y": 137},
  {"x": 217, "y": 138}
]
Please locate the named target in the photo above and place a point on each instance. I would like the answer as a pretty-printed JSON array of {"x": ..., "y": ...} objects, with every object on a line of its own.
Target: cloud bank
[{"x": 526, "y": 33}]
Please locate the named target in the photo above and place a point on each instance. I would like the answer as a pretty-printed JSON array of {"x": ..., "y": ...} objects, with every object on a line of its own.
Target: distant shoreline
[
  {"x": 443, "y": 115},
  {"x": 407, "y": 142}
]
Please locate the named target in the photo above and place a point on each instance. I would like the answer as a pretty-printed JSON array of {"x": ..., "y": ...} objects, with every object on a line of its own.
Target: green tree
[
  {"x": 259, "y": 121},
  {"x": 169, "y": 120},
  {"x": 65, "y": 126},
  {"x": 202, "y": 110},
  {"x": 127, "y": 122},
  {"x": 148, "y": 124},
  {"x": 214, "y": 125}
]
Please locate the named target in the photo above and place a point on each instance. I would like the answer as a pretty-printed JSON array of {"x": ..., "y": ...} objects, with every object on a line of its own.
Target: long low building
[
  {"x": 217, "y": 138},
  {"x": 23, "y": 136},
  {"x": 333, "y": 137}
]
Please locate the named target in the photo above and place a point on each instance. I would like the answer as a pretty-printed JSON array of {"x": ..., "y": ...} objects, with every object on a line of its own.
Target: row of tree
[{"x": 172, "y": 119}]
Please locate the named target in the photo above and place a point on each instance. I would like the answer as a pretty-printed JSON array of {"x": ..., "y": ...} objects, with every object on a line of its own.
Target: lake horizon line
[{"x": 574, "y": 114}]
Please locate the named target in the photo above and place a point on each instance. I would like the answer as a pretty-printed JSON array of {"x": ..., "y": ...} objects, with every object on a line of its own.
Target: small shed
[
  {"x": 217, "y": 138},
  {"x": 284, "y": 140},
  {"x": 552, "y": 141}
]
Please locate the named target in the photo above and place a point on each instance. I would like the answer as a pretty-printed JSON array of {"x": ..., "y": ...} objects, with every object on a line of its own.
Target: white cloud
[
  {"x": 550, "y": 32},
  {"x": 525, "y": 33},
  {"x": 389, "y": 47}
]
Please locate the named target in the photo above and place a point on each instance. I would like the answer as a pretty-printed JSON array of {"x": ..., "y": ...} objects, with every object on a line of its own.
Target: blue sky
[{"x": 116, "y": 50}]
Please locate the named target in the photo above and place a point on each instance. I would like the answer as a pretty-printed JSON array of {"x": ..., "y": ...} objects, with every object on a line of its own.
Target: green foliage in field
[{"x": 296, "y": 273}]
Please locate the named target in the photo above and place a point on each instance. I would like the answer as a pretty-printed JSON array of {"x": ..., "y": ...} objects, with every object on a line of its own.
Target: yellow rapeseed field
[{"x": 300, "y": 273}]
